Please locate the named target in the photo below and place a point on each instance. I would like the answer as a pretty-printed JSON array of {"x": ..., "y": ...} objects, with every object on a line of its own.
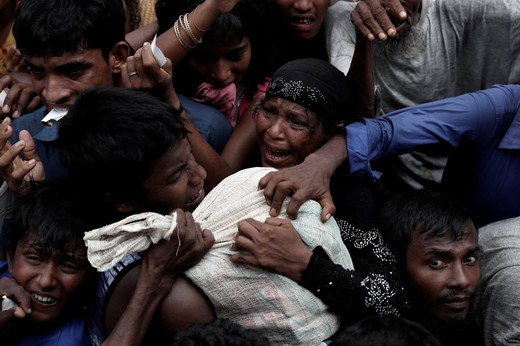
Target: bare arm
[
  {"x": 201, "y": 18},
  {"x": 242, "y": 141}
]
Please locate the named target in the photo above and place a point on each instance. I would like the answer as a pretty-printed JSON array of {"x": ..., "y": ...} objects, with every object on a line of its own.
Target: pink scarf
[{"x": 222, "y": 99}]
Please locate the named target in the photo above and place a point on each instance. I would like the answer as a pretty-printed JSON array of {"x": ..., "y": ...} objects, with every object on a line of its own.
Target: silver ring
[{"x": 132, "y": 74}]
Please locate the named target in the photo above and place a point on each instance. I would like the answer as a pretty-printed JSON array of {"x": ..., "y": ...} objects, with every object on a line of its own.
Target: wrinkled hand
[
  {"x": 21, "y": 97},
  {"x": 373, "y": 18},
  {"x": 150, "y": 76},
  {"x": 274, "y": 245},
  {"x": 166, "y": 259},
  {"x": 11, "y": 289},
  {"x": 14, "y": 60},
  {"x": 302, "y": 182},
  {"x": 17, "y": 172}
]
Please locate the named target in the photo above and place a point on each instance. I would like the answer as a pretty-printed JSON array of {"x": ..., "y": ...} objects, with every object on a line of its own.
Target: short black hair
[
  {"x": 54, "y": 213},
  {"x": 219, "y": 332},
  {"x": 53, "y": 27},
  {"x": 387, "y": 330},
  {"x": 426, "y": 211},
  {"x": 111, "y": 137}
]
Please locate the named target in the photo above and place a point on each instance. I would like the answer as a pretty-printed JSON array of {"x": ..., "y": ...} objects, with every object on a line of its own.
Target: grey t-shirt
[{"x": 458, "y": 46}]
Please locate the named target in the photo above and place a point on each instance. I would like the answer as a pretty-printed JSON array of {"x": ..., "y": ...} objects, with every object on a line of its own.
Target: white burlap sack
[{"x": 272, "y": 304}]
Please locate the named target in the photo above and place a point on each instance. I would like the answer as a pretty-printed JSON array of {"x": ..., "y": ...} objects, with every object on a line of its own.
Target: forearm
[
  {"x": 138, "y": 37},
  {"x": 133, "y": 324},
  {"x": 330, "y": 155},
  {"x": 202, "y": 17},
  {"x": 361, "y": 76}
]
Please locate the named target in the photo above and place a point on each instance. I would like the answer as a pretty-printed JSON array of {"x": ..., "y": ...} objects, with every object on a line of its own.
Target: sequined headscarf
[{"x": 316, "y": 85}]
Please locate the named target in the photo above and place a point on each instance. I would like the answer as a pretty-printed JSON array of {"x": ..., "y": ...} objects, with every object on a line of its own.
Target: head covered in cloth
[{"x": 319, "y": 87}]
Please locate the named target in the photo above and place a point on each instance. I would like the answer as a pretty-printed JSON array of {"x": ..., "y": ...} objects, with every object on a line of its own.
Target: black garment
[{"x": 375, "y": 286}]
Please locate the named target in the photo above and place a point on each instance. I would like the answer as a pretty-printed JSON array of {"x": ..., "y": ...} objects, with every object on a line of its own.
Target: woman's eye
[
  {"x": 268, "y": 112},
  {"x": 299, "y": 125}
]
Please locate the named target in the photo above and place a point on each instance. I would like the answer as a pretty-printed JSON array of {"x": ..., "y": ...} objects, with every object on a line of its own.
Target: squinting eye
[
  {"x": 267, "y": 112},
  {"x": 298, "y": 125}
]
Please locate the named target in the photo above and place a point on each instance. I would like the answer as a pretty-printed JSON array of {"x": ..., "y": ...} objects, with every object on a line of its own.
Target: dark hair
[
  {"x": 53, "y": 27},
  {"x": 249, "y": 18},
  {"x": 54, "y": 213},
  {"x": 385, "y": 331},
  {"x": 111, "y": 138},
  {"x": 133, "y": 13},
  {"x": 426, "y": 212},
  {"x": 219, "y": 332}
]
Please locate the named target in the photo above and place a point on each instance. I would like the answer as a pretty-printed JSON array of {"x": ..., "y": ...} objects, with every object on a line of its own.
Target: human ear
[
  {"x": 121, "y": 205},
  {"x": 118, "y": 55}
]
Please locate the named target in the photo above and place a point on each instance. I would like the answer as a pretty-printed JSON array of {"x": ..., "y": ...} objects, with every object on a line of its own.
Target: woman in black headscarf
[{"x": 306, "y": 103}]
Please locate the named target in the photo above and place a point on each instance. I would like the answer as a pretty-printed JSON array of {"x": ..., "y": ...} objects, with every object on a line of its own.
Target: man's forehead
[
  {"x": 82, "y": 55},
  {"x": 446, "y": 241}
]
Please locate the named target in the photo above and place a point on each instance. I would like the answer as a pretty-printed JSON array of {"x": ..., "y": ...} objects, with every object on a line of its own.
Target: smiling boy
[{"x": 47, "y": 272}]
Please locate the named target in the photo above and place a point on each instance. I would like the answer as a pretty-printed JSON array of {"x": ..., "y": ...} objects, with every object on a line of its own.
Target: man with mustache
[{"x": 436, "y": 246}]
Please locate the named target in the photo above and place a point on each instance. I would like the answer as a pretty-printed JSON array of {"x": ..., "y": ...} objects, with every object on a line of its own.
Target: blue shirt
[{"x": 483, "y": 128}]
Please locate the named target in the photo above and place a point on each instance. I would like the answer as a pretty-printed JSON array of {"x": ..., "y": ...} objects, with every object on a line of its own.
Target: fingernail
[
  {"x": 19, "y": 144},
  {"x": 31, "y": 162},
  {"x": 370, "y": 37},
  {"x": 6, "y": 109},
  {"x": 327, "y": 217},
  {"x": 146, "y": 44},
  {"x": 381, "y": 35},
  {"x": 16, "y": 114},
  {"x": 402, "y": 14},
  {"x": 391, "y": 32},
  {"x": 272, "y": 212}
]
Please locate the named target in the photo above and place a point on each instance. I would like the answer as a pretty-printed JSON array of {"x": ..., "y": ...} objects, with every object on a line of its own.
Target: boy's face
[
  {"x": 443, "y": 273},
  {"x": 58, "y": 80},
  {"x": 176, "y": 180},
  {"x": 53, "y": 280}
]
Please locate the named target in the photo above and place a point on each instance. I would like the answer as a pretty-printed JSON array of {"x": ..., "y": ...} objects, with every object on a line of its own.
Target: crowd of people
[{"x": 275, "y": 172}]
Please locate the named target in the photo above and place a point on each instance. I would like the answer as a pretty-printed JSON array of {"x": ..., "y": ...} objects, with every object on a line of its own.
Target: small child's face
[
  {"x": 221, "y": 64},
  {"x": 53, "y": 280},
  {"x": 444, "y": 273}
]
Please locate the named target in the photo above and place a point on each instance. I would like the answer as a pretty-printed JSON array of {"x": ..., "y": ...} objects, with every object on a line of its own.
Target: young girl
[{"x": 231, "y": 64}]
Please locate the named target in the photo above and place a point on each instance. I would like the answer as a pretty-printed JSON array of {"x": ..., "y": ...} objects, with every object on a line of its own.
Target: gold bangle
[
  {"x": 179, "y": 36},
  {"x": 186, "y": 26}
]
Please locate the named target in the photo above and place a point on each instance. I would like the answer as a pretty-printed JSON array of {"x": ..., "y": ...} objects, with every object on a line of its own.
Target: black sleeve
[{"x": 374, "y": 287}]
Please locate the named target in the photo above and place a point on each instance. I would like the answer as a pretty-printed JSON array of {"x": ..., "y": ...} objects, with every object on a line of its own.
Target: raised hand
[
  {"x": 21, "y": 97},
  {"x": 17, "y": 172},
  {"x": 376, "y": 18}
]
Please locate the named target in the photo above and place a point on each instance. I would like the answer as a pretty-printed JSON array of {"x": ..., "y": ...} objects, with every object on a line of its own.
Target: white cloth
[
  {"x": 272, "y": 304},
  {"x": 109, "y": 244}
]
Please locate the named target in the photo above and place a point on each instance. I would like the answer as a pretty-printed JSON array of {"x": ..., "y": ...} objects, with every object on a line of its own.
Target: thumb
[
  {"x": 327, "y": 207},
  {"x": 29, "y": 150},
  {"x": 208, "y": 239}
]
